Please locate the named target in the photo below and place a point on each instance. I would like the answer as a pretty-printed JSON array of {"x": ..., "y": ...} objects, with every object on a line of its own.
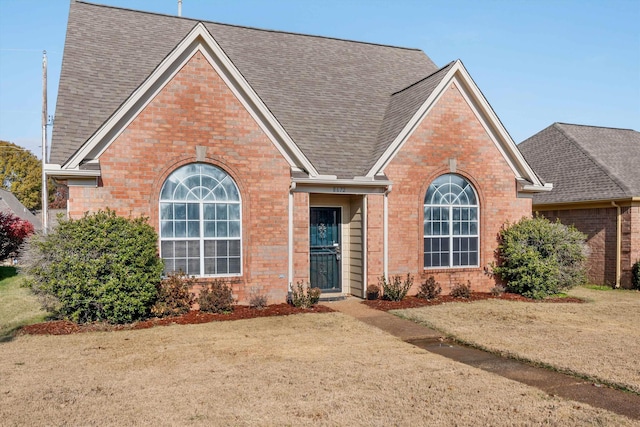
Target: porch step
[{"x": 332, "y": 297}]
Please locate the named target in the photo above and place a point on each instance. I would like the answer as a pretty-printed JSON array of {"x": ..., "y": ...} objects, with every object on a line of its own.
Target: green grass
[
  {"x": 599, "y": 287},
  {"x": 18, "y": 306}
]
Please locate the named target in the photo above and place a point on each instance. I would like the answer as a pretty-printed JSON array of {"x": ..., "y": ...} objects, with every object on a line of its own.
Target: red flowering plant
[{"x": 13, "y": 231}]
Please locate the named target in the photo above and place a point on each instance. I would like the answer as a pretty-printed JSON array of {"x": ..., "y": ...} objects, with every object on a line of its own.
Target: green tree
[{"x": 21, "y": 174}]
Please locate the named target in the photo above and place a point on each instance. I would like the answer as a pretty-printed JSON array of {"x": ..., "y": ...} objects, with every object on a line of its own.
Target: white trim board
[{"x": 198, "y": 40}]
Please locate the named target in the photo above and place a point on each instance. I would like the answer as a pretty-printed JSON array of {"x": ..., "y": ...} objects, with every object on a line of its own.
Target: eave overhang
[
  {"x": 332, "y": 185},
  {"x": 587, "y": 204}
]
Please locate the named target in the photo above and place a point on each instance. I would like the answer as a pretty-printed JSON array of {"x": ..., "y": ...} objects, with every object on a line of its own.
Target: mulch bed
[
  {"x": 65, "y": 327},
  {"x": 413, "y": 302}
]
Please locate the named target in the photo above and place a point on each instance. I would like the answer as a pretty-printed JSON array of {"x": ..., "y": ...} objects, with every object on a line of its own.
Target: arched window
[
  {"x": 451, "y": 222},
  {"x": 200, "y": 222}
]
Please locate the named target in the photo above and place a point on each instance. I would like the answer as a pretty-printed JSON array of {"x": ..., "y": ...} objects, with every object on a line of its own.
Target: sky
[{"x": 536, "y": 62}]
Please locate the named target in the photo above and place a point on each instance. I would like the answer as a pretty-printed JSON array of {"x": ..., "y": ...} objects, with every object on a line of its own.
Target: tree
[
  {"x": 13, "y": 231},
  {"x": 21, "y": 174}
]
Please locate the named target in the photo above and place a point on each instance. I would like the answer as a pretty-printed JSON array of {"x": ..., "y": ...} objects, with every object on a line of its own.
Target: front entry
[{"x": 325, "y": 249}]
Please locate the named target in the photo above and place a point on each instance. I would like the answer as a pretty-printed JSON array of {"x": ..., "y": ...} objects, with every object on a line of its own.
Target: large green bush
[
  {"x": 538, "y": 258},
  {"x": 99, "y": 267}
]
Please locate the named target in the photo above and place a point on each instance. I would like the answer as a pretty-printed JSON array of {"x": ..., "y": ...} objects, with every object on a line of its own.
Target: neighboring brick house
[
  {"x": 267, "y": 158},
  {"x": 596, "y": 177}
]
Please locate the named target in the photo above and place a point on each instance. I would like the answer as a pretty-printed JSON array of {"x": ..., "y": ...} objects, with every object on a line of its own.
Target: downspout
[
  {"x": 365, "y": 250},
  {"x": 618, "y": 243},
  {"x": 385, "y": 234},
  {"x": 290, "y": 243}
]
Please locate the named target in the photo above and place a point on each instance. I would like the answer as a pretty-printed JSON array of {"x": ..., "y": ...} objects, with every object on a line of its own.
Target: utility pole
[{"x": 45, "y": 198}]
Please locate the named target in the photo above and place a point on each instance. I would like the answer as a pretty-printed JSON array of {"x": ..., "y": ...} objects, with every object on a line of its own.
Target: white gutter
[
  {"x": 290, "y": 243},
  {"x": 56, "y": 171},
  {"x": 618, "y": 243},
  {"x": 343, "y": 182},
  {"x": 525, "y": 186}
]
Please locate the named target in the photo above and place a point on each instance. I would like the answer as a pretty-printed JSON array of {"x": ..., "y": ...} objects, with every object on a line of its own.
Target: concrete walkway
[{"x": 551, "y": 382}]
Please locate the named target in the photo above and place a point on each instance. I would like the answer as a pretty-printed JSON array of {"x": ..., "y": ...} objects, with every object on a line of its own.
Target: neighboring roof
[
  {"x": 333, "y": 97},
  {"x": 9, "y": 203},
  {"x": 585, "y": 163}
]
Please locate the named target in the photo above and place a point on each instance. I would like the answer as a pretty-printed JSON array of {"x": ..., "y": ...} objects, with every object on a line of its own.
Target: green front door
[{"x": 325, "y": 249}]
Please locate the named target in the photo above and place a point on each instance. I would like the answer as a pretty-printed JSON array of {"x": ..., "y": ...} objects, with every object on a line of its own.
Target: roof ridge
[
  {"x": 421, "y": 80},
  {"x": 594, "y": 159},
  {"x": 596, "y": 127},
  {"x": 248, "y": 27}
]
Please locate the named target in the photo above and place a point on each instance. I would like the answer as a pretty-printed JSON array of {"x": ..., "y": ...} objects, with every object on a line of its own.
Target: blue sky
[{"x": 537, "y": 62}]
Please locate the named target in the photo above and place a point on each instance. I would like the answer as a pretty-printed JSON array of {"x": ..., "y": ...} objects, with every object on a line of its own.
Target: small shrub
[
  {"x": 538, "y": 258},
  {"x": 216, "y": 297},
  {"x": 395, "y": 289},
  {"x": 257, "y": 299},
  {"x": 460, "y": 290},
  {"x": 635, "y": 275},
  {"x": 430, "y": 289},
  {"x": 98, "y": 267},
  {"x": 13, "y": 231},
  {"x": 498, "y": 290},
  {"x": 304, "y": 296},
  {"x": 174, "y": 295},
  {"x": 373, "y": 292}
]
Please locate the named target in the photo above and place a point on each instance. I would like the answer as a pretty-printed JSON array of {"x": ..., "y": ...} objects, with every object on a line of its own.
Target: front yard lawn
[
  {"x": 307, "y": 369},
  {"x": 599, "y": 339},
  {"x": 18, "y": 306}
]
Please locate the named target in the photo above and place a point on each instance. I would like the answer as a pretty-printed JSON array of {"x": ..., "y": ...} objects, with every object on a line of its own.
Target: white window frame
[
  {"x": 201, "y": 238},
  {"x": 450, "y": 222}
]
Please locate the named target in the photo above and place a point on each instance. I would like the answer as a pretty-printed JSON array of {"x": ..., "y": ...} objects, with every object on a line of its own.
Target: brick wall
[
  {"x": 450, "y": 130},
  {"x": 197, "y": 109},
  {"x": 635, "y": 235},
  {"x": 630, "y": 243},
  {"x": 599, "y": 224}
]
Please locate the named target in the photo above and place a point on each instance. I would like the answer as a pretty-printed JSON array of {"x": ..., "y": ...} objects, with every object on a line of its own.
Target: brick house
[
  {"x": 596, "y": 177},
  {"x": 266, "y": 158}
]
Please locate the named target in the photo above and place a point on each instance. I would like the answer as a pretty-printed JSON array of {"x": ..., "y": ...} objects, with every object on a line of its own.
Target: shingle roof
[
  {"x": 401, "y": 108},
  {"x": 9, "y": 203},
  {"x": 585, "y": 163},
  {"x": 331, "y": 96}
]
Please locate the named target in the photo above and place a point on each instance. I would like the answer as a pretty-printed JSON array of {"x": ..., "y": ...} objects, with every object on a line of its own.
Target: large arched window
[
  {"x": 200, "y": 222},
  {"x": 451, "y": 235}
]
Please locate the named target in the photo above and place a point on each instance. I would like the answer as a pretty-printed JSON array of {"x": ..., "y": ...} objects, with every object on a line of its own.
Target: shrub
[
  {"x": 13, "y": 232},
  {"x": 174, "y": 295},
  {"x": 257, "y": 299},
  {"x": 538, "y": 258},
  {"x": 430, "y": 289},
  {"x": 216, "y": 297},
  {"x": 395, "y": 289},
  {"x": 373, "y": 292},
  {"x": 304, "y": 296},
  {"x": 98, "y": 267},
  {"x": 498, "y": 290},
  {"x": 460, "y": 290},
  {"x": 635, "y": 275}
]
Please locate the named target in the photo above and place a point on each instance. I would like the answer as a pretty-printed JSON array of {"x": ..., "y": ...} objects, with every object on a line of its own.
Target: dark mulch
[
  {"x": 64, "y": 327},
  {"x": 413, "y": 302}
]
